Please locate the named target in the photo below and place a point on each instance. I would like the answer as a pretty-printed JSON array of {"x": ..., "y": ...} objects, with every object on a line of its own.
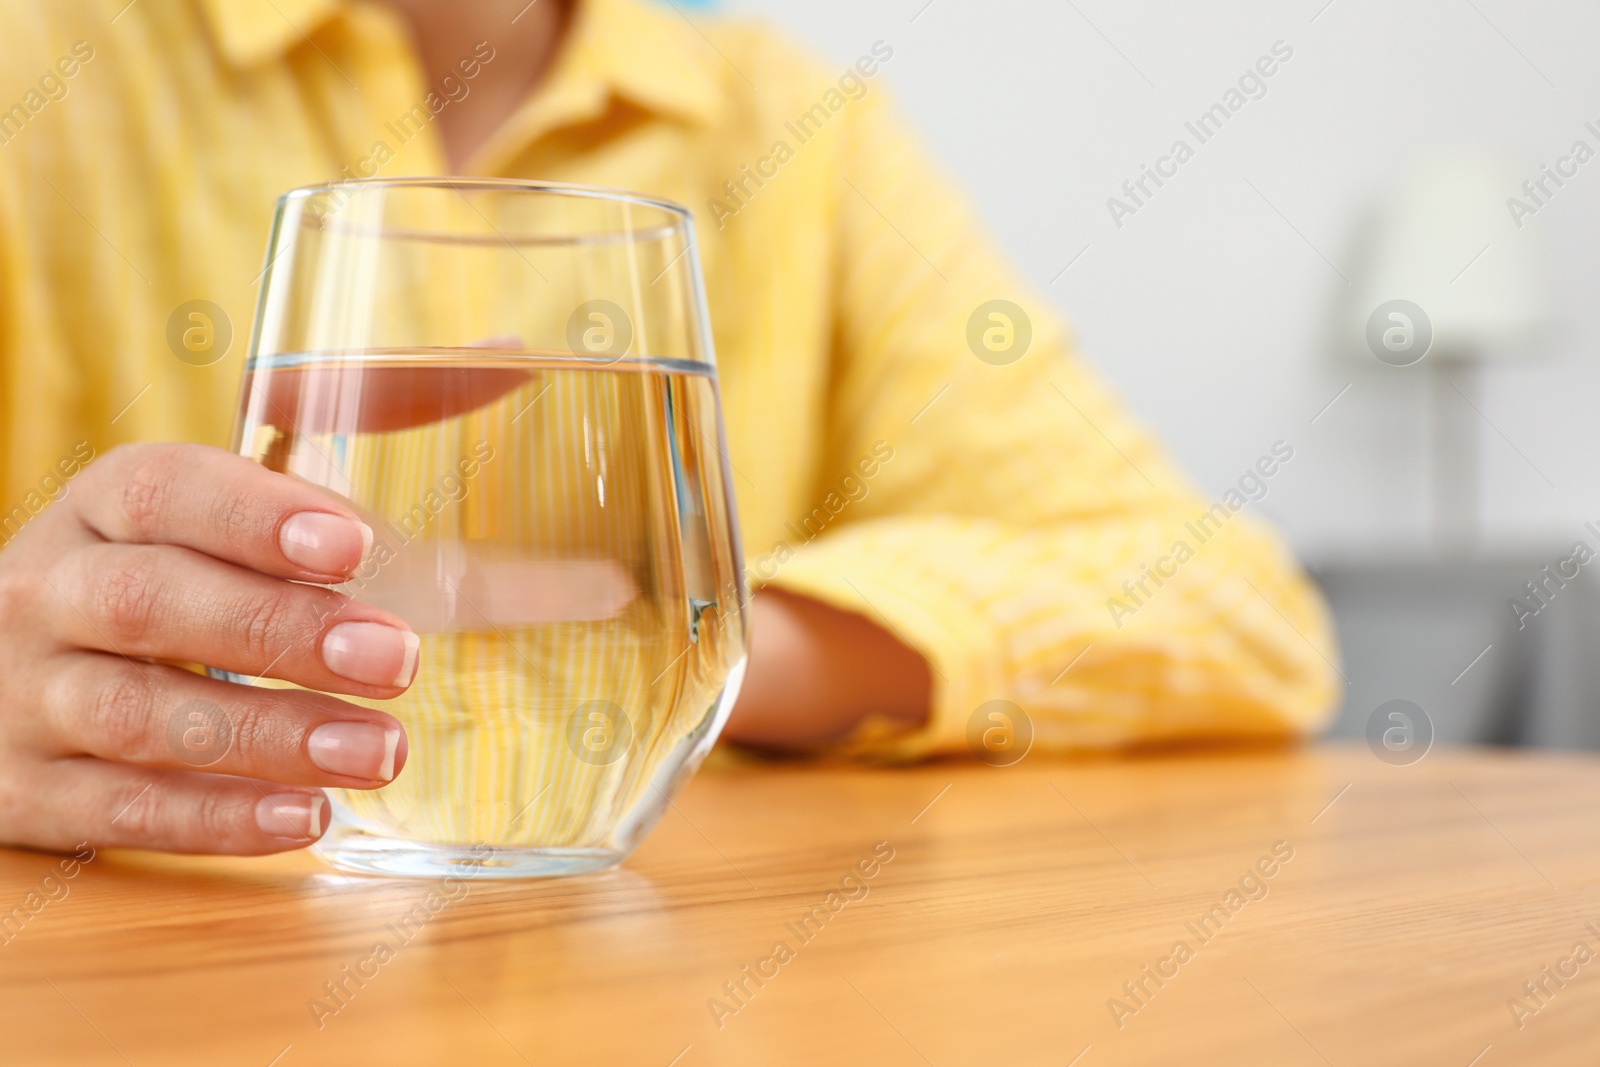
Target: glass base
[
  {"x": 353, "y": 843},
  {"x": 350, "y": 848}
]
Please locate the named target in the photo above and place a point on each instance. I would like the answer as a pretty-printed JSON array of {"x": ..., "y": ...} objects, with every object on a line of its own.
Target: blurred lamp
[{"x": 1448, "y": 281}]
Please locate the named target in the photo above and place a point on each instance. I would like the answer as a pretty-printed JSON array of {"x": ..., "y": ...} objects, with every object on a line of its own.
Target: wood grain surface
[{"x": 1378, "y": 915}]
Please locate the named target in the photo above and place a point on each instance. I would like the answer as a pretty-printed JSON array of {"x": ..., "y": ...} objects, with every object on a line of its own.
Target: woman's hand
[
  {"x": 816, "y": 673},
  {"x": 188, "y": 553}
]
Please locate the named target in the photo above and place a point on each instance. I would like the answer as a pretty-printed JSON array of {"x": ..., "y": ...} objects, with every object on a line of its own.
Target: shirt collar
[
  {"x": 248, "y": 32},
  {"x": 624, "y": 48},
  {"x": 648, "y": 55}
]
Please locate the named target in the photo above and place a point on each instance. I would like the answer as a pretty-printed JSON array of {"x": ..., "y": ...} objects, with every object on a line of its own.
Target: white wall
[{"x": 1206, "y": 309}]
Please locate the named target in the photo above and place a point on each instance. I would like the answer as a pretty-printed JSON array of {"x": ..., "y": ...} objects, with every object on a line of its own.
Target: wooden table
[{"x": 1017, "y": 903}]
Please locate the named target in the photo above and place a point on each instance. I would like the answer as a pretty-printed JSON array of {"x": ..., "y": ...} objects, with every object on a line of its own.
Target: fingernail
[
  {"x": 324, "y": 543},
  {"x": 297, "y": 816},
  {"x": 371, "y": 653},
  {"x": 359, "y": 749}
]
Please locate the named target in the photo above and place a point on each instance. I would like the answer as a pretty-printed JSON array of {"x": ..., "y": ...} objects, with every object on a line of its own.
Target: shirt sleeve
[{"x": 1010, "y": 522}]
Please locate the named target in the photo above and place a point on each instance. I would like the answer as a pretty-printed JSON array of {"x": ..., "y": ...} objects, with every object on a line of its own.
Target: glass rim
[{"x": 463, "y": 183}]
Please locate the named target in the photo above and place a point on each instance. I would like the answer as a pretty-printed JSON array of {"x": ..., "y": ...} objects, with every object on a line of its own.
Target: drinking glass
[{"x": 513, "y": 383}]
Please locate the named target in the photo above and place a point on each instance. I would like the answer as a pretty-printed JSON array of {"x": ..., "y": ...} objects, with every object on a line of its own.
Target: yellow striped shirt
[{"x": 902, "y": 446}]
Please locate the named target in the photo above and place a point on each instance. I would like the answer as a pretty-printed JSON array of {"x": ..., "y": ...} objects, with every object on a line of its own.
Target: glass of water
[{"x": 513, "y": 383}]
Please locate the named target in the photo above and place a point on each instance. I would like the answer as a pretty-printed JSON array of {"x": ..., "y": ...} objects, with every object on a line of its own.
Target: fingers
[
  {"x": 120, "y": 806},
  {"x": 224, "y": 506},
  {"x": 350, "y": 397},
  {"x": 160, "y": 716},
  {"x": 166, "y": 602}
]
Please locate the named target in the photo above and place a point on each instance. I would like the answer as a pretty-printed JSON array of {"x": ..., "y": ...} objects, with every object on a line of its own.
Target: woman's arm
[{"x": 816, "y": 673}]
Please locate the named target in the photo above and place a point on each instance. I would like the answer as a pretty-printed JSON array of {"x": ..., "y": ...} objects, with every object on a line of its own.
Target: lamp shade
[{"x": 1445, "y": 239}]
